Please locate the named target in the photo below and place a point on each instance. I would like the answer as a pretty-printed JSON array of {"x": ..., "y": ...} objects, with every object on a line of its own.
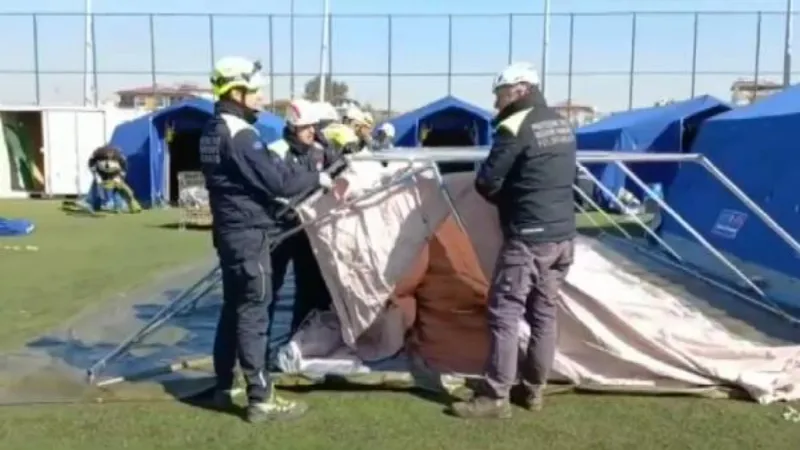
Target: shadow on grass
[{"x": 182, "y": 227}]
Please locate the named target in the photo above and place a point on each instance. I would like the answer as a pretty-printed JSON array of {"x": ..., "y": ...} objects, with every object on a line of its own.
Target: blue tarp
[
  {"x": 142, "y": 142},
  {"x": 652, "y": 130},
  {"x": 15, "y": 227},
  {"x": 756, "y": 147},
  {"x": 444, "y": 114}
]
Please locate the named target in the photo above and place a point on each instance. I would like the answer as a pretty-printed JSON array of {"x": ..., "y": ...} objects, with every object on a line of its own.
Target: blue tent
[
  {"x": 756, "y": 147},
  {"x": 142, "y": 142},
  {"x": 446, "y": 114},
  {"x": 664, "y": 129}
]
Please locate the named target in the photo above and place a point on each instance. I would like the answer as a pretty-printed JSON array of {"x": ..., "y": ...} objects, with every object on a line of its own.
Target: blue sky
[{"x": 419, "y": 50}]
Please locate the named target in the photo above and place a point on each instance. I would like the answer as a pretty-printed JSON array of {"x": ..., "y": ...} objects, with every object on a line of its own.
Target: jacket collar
[
  {"x": 532, "y": 100},
  {"x": 235, "y": 109}
]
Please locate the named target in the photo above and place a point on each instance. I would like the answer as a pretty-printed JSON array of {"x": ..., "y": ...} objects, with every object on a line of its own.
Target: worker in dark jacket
[
  {"x": 528, "y": 176},
  {"x": 301, "y": 150},
  {"x": 244, "y": 181}
]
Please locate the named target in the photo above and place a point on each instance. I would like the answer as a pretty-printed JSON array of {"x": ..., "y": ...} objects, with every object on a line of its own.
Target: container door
[
  {"x": 61, "y": 152},
  {"x": 90, "y": 134}
]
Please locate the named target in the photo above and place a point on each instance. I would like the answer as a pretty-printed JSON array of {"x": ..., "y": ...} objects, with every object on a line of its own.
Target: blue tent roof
[
  {"x": 655, "y": 129},
  {"x": 446, "y": 113},
  {"x": 756, "y": 147},
  {"x": 142, "y": 142}
]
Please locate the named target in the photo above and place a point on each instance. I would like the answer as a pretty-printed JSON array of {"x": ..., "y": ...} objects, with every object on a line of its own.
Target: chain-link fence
[{"x": 394, "y": 62}]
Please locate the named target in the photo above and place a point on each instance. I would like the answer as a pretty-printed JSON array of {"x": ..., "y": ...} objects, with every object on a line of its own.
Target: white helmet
[
  {"x": 368, "y": 119},
  {"x": 355, "y": 114},
  {"x": 236, "y": 72},
  {"x": 388, "y": 129},
  {"x": 302, "y": 113},
  {"x": 516, "y": 73},
  {"x": 326, "y": 111}
]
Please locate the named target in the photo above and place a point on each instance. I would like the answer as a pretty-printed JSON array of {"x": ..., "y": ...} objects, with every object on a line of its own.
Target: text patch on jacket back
[
  {"x": 553, "y": 132},
  {"x": 209, "y": 149}
]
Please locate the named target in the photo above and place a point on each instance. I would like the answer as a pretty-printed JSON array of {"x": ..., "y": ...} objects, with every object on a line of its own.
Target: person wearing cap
[
  {"x": 245, "y": 181},
  {"x": 384, "y": 137},
  {"x": 528, "y": 176},
  {"x": 300, "y": 149}
]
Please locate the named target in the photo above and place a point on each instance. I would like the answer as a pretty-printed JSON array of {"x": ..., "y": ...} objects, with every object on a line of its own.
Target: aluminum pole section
[
  {"x": 690, "y": 229},
  {"x": 323, "y": 53},
  {"x": 787, "y": 46},
  {"x": 545, "y": 46}
]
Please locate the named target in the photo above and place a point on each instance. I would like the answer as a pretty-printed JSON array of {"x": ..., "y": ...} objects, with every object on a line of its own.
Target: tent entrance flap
[{"x": 183, "y": 156}]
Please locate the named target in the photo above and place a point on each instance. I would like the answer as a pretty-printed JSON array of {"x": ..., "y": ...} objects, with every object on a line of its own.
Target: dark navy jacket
[
  {"x": 301, "y": 158},
  {"x": 244, "y": 179},
  {"x": 529, "y": 172},
  {"x": 316, "y": 157}
]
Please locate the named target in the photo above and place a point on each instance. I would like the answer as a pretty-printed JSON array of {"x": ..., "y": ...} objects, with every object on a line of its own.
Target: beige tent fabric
[{"x": 615, "y": 328}]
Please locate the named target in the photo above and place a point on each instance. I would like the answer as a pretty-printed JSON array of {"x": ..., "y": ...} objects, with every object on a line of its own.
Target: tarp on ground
[
  {"x": 447, "y": 113},
  {"x": 756, "y": 147},
  {"x": 658, "y": 129},
  {"x": 142, "y": 142}
]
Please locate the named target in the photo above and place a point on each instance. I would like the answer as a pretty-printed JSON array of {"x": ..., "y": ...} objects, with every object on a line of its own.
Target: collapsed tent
[
  {"x": 755, "y": 147},
  {"x": 403, "y": 273},
  {"x": 160, "y": 145},
  {"x": 660, "y": 129},
  {"x": 447, "y": 122}
]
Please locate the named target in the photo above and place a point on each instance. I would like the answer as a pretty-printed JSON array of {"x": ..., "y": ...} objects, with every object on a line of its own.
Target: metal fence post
[
  {"x": 330, "y": 73},
  {"x": 291, "y": 49},
  {"x": 631, "y": 73},
  {"x": 757, "y": 68},
  {"x": 271, "y": 60},
  {"x": 389, "y": 64},
  {"x": 449, "y": 54},
  {"x": 570, "y": 57},
  {"x": 36, "y": 74},
  {"x": 153, "y": 78},
  {"x": 211, "y": 40},
  {"x": 96, "y": 93},
  {"x": 510, "y": 38},
  {"x": 694, "y": 53}
]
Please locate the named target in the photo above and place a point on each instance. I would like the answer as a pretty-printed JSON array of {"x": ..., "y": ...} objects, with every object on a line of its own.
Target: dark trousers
[
  {"x": 311, "y": 292},
  {"x": 525, "y": 284},
  {"x": 243, "y": 322}
]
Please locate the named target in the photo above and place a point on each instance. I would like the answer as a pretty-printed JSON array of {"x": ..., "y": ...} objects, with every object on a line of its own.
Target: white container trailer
[{"x": 58, "y": 142}]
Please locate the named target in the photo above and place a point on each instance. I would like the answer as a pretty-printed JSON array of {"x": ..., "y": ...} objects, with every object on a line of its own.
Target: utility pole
[
  {"x": 545, "y": 45},
  {"x": 323, "y": 53},
  {"x": 787, "y": 46},
  {"x": 291, "y": 49},
  {"x": 89, "y": 88}
]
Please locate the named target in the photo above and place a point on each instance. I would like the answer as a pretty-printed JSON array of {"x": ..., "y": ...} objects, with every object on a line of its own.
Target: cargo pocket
[{"x": 513, "y": 276}]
